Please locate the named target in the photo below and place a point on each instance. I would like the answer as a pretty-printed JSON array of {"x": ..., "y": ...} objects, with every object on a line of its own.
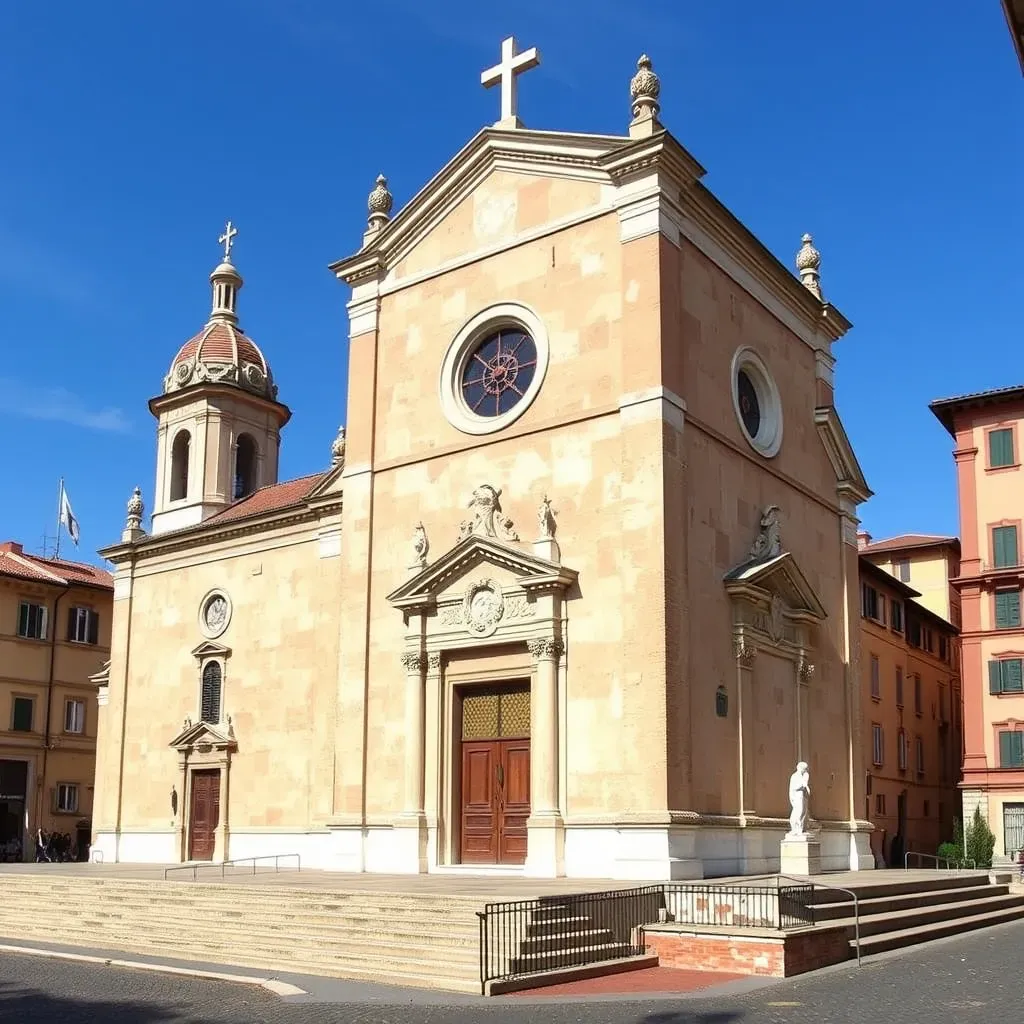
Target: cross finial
[
  {"x": 228, "y": 240},
  {"x": 506, "y": 73}
]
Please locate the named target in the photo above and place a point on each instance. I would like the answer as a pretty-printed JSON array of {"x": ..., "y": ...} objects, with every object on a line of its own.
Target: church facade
[{"x": 579, "y": 587}]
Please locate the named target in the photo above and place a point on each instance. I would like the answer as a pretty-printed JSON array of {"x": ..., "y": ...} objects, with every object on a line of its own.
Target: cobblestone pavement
[{"x": 960, "y": 981}]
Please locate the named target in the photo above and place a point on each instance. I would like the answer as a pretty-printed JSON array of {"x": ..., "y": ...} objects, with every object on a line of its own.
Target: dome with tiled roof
[{"x": 222, "y": 353}]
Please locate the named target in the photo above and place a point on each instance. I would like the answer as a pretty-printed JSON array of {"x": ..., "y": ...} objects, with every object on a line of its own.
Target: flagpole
[{"x": 60, "y": 504}]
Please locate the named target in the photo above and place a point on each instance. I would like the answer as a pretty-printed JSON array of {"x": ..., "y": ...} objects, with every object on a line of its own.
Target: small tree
[
  {"x": 979, "y": 841},
  {"x": 954, "y": 851}
]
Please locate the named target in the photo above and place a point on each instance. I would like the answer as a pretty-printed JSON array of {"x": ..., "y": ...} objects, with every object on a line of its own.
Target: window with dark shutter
[
  {"x": 1000, "y": 448},
  {"x": 1011, "y": 749},
  {"x": 1007, "y": 609},
  {"x": 210, "y": 709},
  {"x": 32, "y": 621},
  {"x": 21, "y": 716},
  {"x": 1004, "y": 545}
]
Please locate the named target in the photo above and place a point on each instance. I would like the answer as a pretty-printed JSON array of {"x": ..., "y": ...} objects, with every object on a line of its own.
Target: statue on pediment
[
  {"x": 487, "y": 518},
  {"x": 769, "y": 540}
]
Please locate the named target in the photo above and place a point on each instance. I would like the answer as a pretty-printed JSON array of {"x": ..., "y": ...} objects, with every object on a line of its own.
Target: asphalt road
[{"x": 976, "y": 978}]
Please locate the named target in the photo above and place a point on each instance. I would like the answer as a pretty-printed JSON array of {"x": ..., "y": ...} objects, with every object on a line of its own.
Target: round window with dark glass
[
  {"x": 750, "y": 406},
  {"x": 498, "y": 372}
]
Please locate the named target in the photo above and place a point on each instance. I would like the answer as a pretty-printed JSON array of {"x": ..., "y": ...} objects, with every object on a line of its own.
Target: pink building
[{"x": 987, "y": 432}]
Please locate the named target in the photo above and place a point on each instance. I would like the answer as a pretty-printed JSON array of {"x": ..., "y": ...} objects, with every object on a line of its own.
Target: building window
[
  {"x": 32, "y": 621},
  {"x": 896, "y": 615},
  {"x": 1004, "y": 546},
  {"x": 83, "y": 626},
  {"x": 902, "y": 570},
  {"x": 901, "y": 750},
  {"x": 1004, "y": 676},
  {"x": 899, "y": 687},
  {"x": 21, "y": 714},
  {"x": 943, "y": 647},
  {"x": 876, "y": 684},
  {"x": 927, "y": 808},
  {"x": 1013, "y": 829},
  {"x": 179, "y": 465},
  {"x": 919, "y": 755},
  {"x": 1011, "y": 749},
  {"x": 245, "y": 466},
  {"x": 929, "y": 640},
  {"x": 913, "y": 632},
  {"x": 74, "y": 716},
  {"x": 67, "y": 797},
  {"x": 210, "y": 704},
  {"x": 1007, "y": 609},
  {"x": 918, "y": 703},
  {"x": 877, "y": 744},
  {"x": 869, "y": 602},
  {"x": 721, "y": 702},
  {"x": 1000, "y": 448},
  {"x": 880, "y": 804}
]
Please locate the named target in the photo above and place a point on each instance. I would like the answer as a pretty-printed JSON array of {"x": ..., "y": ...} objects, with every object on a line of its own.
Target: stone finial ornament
[
  {"x": 546, "y": 520},
  {"x": 808, "y": 263},
  {"x": 338, "y": 448},
  {"x": 420, "y": 547},
  {"x": 379, "y": 204},
  {"x": 135, "y": 510},
  {"x": 769, "y": 540},
  {"x": 645, "y": 88}
]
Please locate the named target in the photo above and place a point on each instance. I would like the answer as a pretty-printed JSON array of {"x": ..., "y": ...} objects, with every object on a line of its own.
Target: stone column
[
  {"x": 545, "y": 830},
  {"x": 410, "y": 851},
  {"x": 745, "y": 652},
  {"x": 433, "y": 755}
]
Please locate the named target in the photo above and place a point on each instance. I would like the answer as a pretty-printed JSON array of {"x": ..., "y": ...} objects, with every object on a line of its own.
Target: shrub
[
  {"x": 953, "y": 851},
  {"x": 979, "y": 841}
]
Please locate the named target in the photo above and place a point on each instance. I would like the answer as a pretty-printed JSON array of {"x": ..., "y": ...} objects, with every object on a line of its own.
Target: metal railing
[
  {"x": 198, "y": 866},
  {"x": 958, "y": 864},
  {"x": 524, "y": 937},
  {"x": 835, "y": 888}
]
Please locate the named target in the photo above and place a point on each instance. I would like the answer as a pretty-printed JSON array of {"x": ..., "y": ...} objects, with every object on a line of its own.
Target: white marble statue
[
  {"x": 420, "y": 546},
  {"x": 799, "y": 799}
]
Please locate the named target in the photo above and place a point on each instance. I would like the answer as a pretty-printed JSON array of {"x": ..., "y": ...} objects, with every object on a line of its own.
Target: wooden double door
[
  {"x": 204, "y": 815},
  {"x": 495, "y": 776}
]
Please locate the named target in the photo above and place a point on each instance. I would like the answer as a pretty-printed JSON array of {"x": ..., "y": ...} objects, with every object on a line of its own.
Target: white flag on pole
[{"x": 67, "y": 517}]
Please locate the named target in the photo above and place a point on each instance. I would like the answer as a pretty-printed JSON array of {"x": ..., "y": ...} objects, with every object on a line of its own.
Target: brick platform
[{"x": 754, "y": 951}]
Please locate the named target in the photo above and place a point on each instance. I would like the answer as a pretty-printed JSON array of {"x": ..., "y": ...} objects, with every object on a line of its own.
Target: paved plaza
[{"x": 973, "y": 978}]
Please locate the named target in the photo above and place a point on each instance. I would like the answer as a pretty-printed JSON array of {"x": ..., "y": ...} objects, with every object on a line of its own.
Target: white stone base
[
  {"x": 800, "y": 855},
  {"x": 545, "y": 844}
]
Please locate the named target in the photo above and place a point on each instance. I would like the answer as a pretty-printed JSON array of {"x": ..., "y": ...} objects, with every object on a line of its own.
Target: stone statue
[
  {"x": 420, "y": 545},
  {"x": 799, "y": 798},
  {"x": 769, "y": 540},
  {"x": 546, "y": 520},
  {"x": 488, "y": 519}
]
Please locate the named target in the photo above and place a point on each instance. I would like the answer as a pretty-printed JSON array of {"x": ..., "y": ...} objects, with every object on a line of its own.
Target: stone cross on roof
[
  {"x": 228, "y": 240},
  {"x": 506, "y": 72}
]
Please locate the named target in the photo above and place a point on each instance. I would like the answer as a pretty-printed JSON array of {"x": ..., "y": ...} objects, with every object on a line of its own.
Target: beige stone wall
[{"x": 278, "y": 683}]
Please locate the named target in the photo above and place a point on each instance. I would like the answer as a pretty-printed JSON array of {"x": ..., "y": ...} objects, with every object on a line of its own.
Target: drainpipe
[{"x": 49, "y": 702}]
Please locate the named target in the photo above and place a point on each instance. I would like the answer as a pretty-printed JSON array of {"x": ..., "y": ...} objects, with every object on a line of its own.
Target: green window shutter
[
  {"x": 1004, "y": 545},
  {"x": 995, "y": 682},
  {"x": 1007, "y": 609},
  {"x": 1005, "y": 749},
  {"x": 1013, "y": 681},
  {"x": 1017, "y": 748},
  {"x": 1000, "y": 448}
]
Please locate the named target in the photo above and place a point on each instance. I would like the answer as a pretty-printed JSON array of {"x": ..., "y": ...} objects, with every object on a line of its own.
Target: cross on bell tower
[{"x": 506, "y": 73}]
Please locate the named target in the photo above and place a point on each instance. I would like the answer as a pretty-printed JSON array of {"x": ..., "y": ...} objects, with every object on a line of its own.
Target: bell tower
[{"x": 218, "y": 419}]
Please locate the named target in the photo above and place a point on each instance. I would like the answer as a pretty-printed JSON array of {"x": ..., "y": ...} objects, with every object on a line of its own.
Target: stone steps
[
  {"x": 915, "y": 917},
  {"x": 900, "y": 938},
  {"x": 887, "y": 904}
]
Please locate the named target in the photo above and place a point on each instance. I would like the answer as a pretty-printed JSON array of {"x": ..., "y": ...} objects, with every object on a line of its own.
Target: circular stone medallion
[
  {"x": 483, "y": 607},
  {"x": 214, "y": 614}
]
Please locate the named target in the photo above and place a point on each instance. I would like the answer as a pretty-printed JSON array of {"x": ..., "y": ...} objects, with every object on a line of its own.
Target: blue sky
[{"x": 132, "y": 131}]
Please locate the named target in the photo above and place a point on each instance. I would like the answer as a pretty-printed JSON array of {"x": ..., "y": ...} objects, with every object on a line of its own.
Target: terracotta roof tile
[
  {"x": 944, "y": 408},
  {"x": 15, "y": 562},
  {"x": 909, "y": 540},
  {"x": 218, "y": 345},
  {"x": 269, "y": 499}
]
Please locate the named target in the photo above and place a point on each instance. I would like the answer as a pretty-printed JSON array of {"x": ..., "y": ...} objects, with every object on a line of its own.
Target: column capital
[
  {"x": 413, "y": 661},
  {"x": 804, "y": 669},
  {"x": 545, "y": 648},
  {"x": 434, "y": 662},
  {"x": 745, "y": 651}
]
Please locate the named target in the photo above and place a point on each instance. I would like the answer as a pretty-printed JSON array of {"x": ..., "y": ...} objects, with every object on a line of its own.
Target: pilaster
[
  {"x": 746, "y": 654},
  {"x": 545, "y": 828}
]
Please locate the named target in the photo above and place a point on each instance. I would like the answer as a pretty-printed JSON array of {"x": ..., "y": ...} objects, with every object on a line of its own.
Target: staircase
[
  {"x": 898, "y": 914},
  {"x": 422, "y": 940}
]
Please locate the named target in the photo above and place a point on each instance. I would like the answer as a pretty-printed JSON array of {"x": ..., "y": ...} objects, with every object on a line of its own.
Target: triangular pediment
[
  {"x": 849, "y": 475},
  {"x": 211, "y": 649},
  {"x": 528, "y": 570},
  {"x": 329, "y": 484},
  {"x": 777, "y": 575},
  {"x": 201, "y": 734},
  {"x": 531, "y": 156}
]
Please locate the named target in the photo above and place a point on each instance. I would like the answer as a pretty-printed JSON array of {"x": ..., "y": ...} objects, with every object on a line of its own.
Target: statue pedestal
[{"x": 801, "y": 855}]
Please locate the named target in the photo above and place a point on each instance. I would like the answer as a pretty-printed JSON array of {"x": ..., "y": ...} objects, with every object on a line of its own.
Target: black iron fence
[{"x": 525, "y": 937}]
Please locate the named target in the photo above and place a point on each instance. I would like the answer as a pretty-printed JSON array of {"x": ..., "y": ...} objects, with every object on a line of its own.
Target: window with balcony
[
  {"x": 1005, "y": 676},
  {"x": 1004, "y": 546},
  {"x": 1007, "y": 608},
  {"x": 1000, "y": 448}
]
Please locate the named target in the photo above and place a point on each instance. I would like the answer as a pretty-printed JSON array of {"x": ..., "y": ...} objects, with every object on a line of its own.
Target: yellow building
[
  {"x": 910, "y": 678},
  {"x": 923, "y": 561},
  {"x": 572, "y": 598},
  {"x": 55, "y": 619}
]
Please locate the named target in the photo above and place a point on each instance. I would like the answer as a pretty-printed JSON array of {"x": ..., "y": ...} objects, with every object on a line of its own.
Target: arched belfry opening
[
  {"x": 245, "y": 466},
  {"x": 180, "y": 451}
]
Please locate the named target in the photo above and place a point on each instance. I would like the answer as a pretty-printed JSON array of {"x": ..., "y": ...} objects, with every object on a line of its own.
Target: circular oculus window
[
  {"x": 757, "y": 403},
  {"x": 494, "y": 368}
]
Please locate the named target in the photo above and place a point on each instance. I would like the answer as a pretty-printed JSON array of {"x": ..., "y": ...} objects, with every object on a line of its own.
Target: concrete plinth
[{"x": 801, "y": 855}]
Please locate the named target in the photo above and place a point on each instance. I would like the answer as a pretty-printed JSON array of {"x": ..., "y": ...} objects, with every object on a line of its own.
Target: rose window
[{"x": 498, "y": 372}]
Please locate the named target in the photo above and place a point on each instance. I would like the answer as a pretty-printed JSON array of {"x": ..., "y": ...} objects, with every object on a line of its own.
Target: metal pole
[{"x": 60, "y": 506}]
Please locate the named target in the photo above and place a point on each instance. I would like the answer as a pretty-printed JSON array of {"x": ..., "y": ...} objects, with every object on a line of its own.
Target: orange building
[
  {"x": 911, "y": 709},
  {"x": 986, "y": 428},
  {"x": 54, "y": 635}
]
